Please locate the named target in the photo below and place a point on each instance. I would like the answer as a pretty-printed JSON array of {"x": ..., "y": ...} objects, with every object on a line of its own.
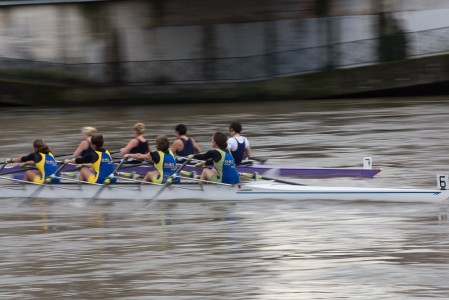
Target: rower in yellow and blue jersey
[
  {"x": 163, "y": 159},
  {"x": 44, "y": 161},
  {"x": 224, "y": 170},
  {"x": 97, "y": 165}
]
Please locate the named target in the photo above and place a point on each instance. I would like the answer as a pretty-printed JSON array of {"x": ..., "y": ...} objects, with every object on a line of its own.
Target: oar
[
  {"x": 262, "y": 161},
  {"x": 39, "y": 189},
  {"x": 137, "y": 180},
  {"x": 3, "y": 165},
  {"x": 204, "y": 181},
  {"x": 95, "y": 197},
  {"x": 71, "y": 153},
  {"x": 18, "y": 171},
  {"x": 253, "y": 176},
  {"x": 167, "y": 183}
]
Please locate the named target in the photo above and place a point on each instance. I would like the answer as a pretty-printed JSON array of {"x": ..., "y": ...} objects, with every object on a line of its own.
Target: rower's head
[
  {"x": 220, "y": 140},
  {"x": 40, "y": 146},
  {"x": 235, "y": 128},
  {"x": 162, "y": 143},
  {"x": 97, "y": 141},
  {"x": 181, "y": 130},
  {"x": 88, "y": 131},
  {"x": 139, "y": 129}
]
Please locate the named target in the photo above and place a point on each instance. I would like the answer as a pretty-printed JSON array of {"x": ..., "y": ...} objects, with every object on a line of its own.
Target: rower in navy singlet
[
  {"x": 85, "y": 146},
  {"x": 184, "y": 145},
  {"x": 138, "y": 144},
  {"x": 44, "y": 161},
  {"x": 163, "y": 159},
  {"x": 238, "y": 144},
  {"x": 224, "y": 170}
]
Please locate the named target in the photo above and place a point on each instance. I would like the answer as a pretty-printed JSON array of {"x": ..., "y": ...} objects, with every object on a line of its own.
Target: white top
[{"x": 232, "y": 143}]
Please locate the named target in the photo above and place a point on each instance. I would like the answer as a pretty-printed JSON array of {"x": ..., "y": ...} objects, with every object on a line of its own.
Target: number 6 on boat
[{"x": 442, "y": 181}]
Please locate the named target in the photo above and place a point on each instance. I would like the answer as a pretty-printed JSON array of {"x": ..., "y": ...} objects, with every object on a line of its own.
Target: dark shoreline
[{"x": 427, "y": 76}]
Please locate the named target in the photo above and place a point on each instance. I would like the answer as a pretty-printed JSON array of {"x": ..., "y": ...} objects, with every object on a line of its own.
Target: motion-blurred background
[{"x": 54, "y": 52}]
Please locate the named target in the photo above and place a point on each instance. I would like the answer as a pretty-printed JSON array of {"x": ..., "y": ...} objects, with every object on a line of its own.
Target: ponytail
[{"x": 40, "y": 146}]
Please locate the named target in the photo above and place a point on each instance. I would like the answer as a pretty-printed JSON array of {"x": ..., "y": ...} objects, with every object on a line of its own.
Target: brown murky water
[{"x": 239, "y": 250}]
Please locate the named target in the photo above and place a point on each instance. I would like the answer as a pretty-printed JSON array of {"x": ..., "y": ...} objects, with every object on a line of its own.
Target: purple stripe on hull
[
  {"x": 300, "y": 172},
  {"x": 310, "y": 172}
]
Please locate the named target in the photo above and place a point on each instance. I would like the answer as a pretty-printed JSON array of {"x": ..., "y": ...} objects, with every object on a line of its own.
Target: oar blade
[{"x": 3, "y": 166}]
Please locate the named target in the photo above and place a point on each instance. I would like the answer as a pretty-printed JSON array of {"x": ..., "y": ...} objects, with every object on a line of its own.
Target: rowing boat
[
  {"x": 299, "y": 172},
  {"x": 253, "y": 190}
]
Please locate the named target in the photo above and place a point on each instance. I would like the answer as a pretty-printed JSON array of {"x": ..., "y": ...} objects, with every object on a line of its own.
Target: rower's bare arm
[
  {"x": 85, "y": 165},
  {"x": 139, "y": 156},
  {"x": 177, "y": 146},
  {"x": 83, "y": 145},
  {"x": 28, "y": 163},
  {"x": 196, "y": 146},
  {"x": 69, "y": 161},
  {"x": 132, "y": 143},
  {"x": 248, "y": 151},
  {"x": 14, "y": 160}
]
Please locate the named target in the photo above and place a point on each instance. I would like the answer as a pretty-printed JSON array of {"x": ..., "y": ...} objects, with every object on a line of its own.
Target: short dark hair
[
  {"x": 236, "y": 126},
  {"x": 181, "y": 129},
  {"x": 97, "y": 140},
  {"x": 162, "y": 143},
  {"x": 221, "y": 140}
]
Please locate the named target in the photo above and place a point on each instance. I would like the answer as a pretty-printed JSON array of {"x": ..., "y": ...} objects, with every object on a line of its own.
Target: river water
[{"x": 239, "y": 250}]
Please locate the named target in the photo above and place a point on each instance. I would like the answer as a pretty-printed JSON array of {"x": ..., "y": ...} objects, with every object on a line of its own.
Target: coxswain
[
  {"x": 138, "y": 144},
  {"x": 44, "y": 161},
  {"x": 85, "y": 146},
  {"x": 163, "y": 159},
  {"x": 224, "y": 170},
  {"x": 184, "y": 145},
  {"x": 238, "y": 144},
  {"x": 97, "y": 165}
]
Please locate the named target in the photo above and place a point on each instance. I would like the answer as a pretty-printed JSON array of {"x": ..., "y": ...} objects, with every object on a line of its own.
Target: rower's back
[
  {"x": 142, "y": 147},
  {"x": 188, "y": 146},
  {"x": 237, "y": 143}
]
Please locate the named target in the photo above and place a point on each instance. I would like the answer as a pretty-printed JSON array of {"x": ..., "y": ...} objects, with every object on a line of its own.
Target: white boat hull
[{"x": 249, "y": 191}]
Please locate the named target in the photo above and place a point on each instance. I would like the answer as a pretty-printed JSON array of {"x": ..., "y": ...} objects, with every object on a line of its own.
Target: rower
[
  {"x": 138, "y": 144},
  {"x": 163, "y": 159},
  {"x": 184, "y": 145},
  {"x": 224, "y": 170},
  {"x": 85, "y": 146},
  {"x": 238, "y": 144},
  {"x": 44, "y": 161},
  {"x": 97, "y": 165}
]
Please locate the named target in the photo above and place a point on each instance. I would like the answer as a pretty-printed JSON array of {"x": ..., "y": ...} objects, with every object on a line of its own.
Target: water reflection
[{"x": 239, "y": 250}]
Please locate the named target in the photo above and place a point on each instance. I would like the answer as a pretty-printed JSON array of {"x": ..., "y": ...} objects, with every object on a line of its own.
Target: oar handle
[
  {"x": 71, "y": 153},
  {"x": 111, "y": 176},
  {"x": 180, "y": 168}
]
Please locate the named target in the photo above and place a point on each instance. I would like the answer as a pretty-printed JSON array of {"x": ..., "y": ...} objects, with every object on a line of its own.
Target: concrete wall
[{"x": 183, "y": 42}]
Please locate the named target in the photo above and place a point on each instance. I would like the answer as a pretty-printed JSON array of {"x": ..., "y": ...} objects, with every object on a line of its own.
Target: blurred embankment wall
[{"x": 169, "y": 46}]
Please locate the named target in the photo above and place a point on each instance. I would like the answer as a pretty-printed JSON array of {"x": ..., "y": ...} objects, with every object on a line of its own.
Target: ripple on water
[{"x": 239, "y": 250}]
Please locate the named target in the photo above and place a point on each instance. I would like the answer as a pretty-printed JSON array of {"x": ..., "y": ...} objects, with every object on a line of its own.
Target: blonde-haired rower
[
  {"x": 164, "y": 161},
  {"x": 85, "y": 146},
  {"x": 138, "y": 144}
]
